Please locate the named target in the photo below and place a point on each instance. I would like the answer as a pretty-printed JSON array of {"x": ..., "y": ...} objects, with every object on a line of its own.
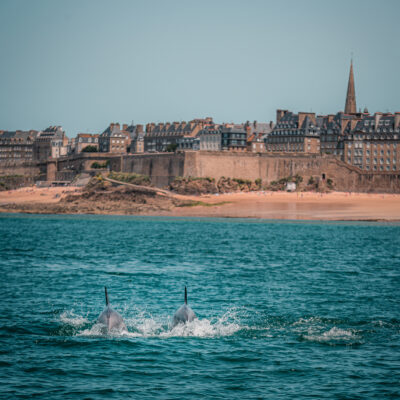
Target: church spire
[{"x": 350, "y": 107}]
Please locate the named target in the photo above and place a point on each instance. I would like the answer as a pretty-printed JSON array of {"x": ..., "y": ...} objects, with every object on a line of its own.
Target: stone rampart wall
[
  {"x": 25, "y": 169},
  {"x": 162, "y": 168}
]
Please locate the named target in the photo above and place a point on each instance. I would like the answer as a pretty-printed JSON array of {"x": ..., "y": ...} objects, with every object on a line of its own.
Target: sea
[{"x": 285, "y": 309}]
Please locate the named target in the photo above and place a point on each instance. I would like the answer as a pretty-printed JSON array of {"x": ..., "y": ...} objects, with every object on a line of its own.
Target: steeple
[{"x": 350, "y": 107}]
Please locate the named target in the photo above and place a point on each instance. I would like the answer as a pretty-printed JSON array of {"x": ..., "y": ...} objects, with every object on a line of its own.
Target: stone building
[
  {"x": 188, "y": 143},
  {"x": 374, "y": 144},
  {"x": 256, "y": 134},
  {"x": 161, "y": 136},
  {"x": 136, "y": 136},
  {"x": 333, "y": 131},
  {"x": 16, "y": 146},
  {"x": 50, "y": 143},
  {"x": 114, "y": 140},
  {"x": 233, "y": 137},
  {"x": 294, "y": 133},
  {"x": 210, "y": 138},
  {"x": 84, "y": 140}
]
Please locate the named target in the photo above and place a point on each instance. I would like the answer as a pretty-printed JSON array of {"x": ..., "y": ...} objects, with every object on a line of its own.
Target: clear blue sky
[{"x": 82, "y": 64}]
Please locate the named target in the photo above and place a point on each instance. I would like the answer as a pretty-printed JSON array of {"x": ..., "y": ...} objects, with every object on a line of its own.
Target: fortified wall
[{"x": 163, "y": 168}]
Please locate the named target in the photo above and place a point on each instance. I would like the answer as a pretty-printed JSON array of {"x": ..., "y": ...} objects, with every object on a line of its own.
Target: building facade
[
  {"x": 160, "y": 137},
  {"x": 17, "y": 146},
  {"x": 188, "y": 143},
  {"x": 374, "y": 143},
  {"x": 84, "y": 140},
  {"x": 256, "y": 134},
  {"x": 114, "y": 140},
  {"x": 136, "y": 138},
  {"x": 50, "y": 143},
  {"x": 294, "y": 133},
  {"x": 210, "y": 138},
  {"x": 233, "y": 138}
]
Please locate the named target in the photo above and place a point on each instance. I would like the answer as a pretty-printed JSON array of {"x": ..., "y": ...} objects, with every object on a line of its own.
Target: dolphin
[
  {"x": 110, "y": 318},
  {"x": 183, "y": 314}
]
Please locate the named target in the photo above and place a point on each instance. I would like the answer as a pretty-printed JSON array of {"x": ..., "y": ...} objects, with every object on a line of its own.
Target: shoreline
[{"x": 312, "y": 206}]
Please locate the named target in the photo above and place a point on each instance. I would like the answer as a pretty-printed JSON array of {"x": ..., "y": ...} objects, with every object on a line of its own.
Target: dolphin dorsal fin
[
  {"x": 105, "y": 290},
  {"x": 185, "y": 295}
]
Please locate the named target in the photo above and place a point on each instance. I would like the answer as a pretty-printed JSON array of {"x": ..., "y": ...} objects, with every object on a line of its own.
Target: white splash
[
  {"x": 70, "y": 318},
  {"x": 148, "y": 326},
  {"x": 334, "y": 335},
  {"x": 100, "y": 330}
]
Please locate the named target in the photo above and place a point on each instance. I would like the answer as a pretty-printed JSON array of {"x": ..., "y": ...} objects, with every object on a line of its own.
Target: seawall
[{"x": 163, "y": 168}]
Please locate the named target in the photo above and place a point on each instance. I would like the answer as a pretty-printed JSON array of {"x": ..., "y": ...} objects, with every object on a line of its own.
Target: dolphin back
[
  {"x": 111, "y": 319},
  {"x": 184, "y": 314}
]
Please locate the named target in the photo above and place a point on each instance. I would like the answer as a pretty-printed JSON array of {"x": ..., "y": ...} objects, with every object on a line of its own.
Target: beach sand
[
  {"x": 306, "y": 205},
  {"x": 268, "y": 205}
]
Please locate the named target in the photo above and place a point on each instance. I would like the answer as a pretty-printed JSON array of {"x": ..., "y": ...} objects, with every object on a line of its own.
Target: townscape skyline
[{"x": 175, "y": 61}]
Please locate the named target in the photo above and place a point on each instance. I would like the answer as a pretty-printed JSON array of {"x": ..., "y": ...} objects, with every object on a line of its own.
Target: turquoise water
[{"x": 285, "y": 310}]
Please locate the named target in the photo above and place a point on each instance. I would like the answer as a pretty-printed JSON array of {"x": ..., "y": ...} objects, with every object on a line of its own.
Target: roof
[
  {"x": 18, "y": 135},
  {"x": 87, "y": 135}
]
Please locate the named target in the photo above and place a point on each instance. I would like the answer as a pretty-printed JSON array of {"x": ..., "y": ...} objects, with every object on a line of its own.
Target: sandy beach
[{"x": 268, "y": 205}]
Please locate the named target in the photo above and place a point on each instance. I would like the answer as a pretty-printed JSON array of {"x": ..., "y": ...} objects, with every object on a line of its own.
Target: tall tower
[{"x": 350, "y": 107}]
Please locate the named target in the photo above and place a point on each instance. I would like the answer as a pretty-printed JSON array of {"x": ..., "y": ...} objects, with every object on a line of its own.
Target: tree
[
  {"x": 90, "y": 149},
  {"x": 171, "y": 147}
]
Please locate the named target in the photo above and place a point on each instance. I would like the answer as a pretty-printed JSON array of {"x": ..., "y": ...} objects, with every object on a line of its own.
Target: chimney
[
  {"x": 378, "y": 116},
  {"x": 280, "y": 114},
  {"x": 330, "y": 117},
  {"x": 248, "y": 131},
  {"x": 139, "y": 128},
  {"x": 396, "y": 120},
  {"x": 124, "y": 127},
  {"x": 303, "y": 115}
]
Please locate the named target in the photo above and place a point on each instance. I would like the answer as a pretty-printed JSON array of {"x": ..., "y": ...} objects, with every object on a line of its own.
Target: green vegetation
[
  {"x": 202, "y": 203},
  {"x": 171, "y": 148},
  {"x": 193, "y": 179},
  {"x": 242, "y": 181},
  {"x": 311, "y": 181},
  {"x": 97, "y": 165},
  {"x": 297, "y": 179},
  {"x": 135, "y": 179},
  {"x": 10, "y": 182},
  {"x": 258, "y": 182},
  {"x": 90, "y": 149},
  {"x": 281, "y": 184},
  {"x": 329, "y": 183}
]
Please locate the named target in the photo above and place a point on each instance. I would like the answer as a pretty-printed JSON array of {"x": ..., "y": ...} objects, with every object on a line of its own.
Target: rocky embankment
[
  {"x": 102, "y": 197},
  {"x": 198, "y": 186}
]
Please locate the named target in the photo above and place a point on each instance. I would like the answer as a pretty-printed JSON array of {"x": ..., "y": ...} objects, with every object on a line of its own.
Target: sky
[{"x": 82, "y": 64}]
